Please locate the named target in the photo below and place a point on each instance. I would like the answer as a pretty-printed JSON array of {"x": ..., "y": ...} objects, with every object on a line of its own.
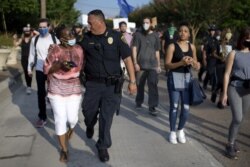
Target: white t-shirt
[
  {"x": 228, "y": 49},
  {"x": 42, "y": 47}
]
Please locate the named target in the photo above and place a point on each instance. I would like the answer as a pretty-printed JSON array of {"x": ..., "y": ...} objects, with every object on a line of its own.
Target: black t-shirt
[
  {"x": 178, "y": 55},
  {"x": 104, "y": 52},
  {"x": 25, "y": 49}
]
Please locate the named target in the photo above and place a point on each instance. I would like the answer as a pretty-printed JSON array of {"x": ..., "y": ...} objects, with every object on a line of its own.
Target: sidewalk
[{"x": 139, "y": 139}]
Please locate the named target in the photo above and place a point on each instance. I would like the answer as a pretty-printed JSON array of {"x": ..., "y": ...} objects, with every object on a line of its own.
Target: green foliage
[
  {"x": 62, "y": 12},
  {"x": 239, "y": 15},
  {"x": 18, "y": 13},
  {"x": 6, "y": 41},
  {"x": 198, "y": 13},
  {"x": 140, "y": 13}
]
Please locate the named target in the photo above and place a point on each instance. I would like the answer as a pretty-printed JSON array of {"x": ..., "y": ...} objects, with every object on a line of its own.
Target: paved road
[{"x": 139, "y": 139}]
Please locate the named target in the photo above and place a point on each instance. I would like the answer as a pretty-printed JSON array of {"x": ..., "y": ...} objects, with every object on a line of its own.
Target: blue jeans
[{"x": 174, "y": 97}]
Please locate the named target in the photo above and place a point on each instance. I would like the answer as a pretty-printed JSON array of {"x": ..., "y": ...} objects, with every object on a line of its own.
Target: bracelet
[{"x": 132, "y": 82}]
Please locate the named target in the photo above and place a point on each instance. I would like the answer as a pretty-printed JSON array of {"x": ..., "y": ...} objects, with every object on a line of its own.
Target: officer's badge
[
  {"x": 124, "y": 39},
  {"x": 110, "y": 40}
]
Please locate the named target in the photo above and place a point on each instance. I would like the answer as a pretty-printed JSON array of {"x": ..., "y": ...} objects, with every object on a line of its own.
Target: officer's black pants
[
  {"x": 151, "y": 77},
  {"x": 41, "y": 93},
  {"x": 100, "y": 99}
]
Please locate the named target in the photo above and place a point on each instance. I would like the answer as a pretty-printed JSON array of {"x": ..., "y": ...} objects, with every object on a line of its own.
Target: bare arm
[
  {"x": 229, "y": 65},
  {"x": 134, "y": 53},
  {"x": 130, "y": 67},
  {"x": 204, "y": 57},
  {"x": 16, "y": 41}
]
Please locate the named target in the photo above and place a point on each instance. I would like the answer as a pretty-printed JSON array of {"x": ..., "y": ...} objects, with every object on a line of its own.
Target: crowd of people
[{"x": 101, "y": 57}]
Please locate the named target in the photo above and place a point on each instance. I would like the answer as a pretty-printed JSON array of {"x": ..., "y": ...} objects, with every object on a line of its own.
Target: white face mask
[
  {"x": 218, "y": 38},
  {"x": 146, "y": 26},
  {"x": 72, "y": 42}
]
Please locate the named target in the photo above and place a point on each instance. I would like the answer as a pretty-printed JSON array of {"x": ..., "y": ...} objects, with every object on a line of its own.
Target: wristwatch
[{"x": 132, "y": 82}]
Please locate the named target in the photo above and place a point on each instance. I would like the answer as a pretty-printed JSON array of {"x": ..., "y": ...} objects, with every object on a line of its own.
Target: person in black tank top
[
  {"x": 180, "y": 57},
  {"x": 24, "y": 43}
]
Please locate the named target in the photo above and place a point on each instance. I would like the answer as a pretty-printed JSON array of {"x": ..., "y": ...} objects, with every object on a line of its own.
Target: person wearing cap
[
  {"x": 210, "y": 55},
  {"x": 77, "y": 29},
  {"x": 24, "y": 43}
]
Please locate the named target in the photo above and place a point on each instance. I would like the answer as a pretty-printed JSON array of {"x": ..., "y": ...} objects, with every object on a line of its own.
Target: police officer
[
  {"x": 103, "y": 50},
  {"x": 210, "y": 56}
]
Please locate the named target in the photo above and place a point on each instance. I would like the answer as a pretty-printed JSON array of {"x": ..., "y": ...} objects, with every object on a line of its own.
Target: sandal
[{"x": 64, "y": 156}]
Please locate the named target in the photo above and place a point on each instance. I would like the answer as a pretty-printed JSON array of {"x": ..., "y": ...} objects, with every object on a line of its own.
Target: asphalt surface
[{"x": 139, "y": 139}]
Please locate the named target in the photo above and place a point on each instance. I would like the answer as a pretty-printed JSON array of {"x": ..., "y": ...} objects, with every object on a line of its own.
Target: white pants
[{"x": 65, "y": 111}]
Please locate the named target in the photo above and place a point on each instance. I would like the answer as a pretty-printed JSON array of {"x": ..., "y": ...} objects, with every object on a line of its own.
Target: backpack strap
[
  {"x": 35, "y": 58},
  {"x": 53, "y": 38}
]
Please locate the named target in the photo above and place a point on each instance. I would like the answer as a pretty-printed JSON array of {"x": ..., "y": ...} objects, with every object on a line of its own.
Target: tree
[
  {"x": 139, "y": 13},
  {"x": 196, "y": 13},
  {"x": 239, "y": 15},
  {"x": 62, "y": 11},
  {"x": 14, "y": 12}
]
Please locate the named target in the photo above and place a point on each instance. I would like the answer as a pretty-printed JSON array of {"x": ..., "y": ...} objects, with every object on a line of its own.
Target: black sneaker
[
  {"x": 138, "y": 106},
  {"x": 230, "y": 151},
  {"x": 213, "y": 97},
  {"x": 103, "y": 155},
  {"x": 220, "y": 105},
  {"x": 153, "y": 111}
]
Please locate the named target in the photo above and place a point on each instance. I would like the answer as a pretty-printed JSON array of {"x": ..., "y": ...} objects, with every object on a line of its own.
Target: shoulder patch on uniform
[{"x": 124, "y": 39}]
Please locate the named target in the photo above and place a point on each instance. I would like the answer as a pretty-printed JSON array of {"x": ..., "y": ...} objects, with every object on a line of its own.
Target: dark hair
[
  {"x": 147, "y": 17},
  {"x": 121, "y": 23},
  {"x": 44, "y": 20},
  {"x": 184, "y": 23},
  {"x": 244, "y": 34},
  {"x": 98, "y": 13}
]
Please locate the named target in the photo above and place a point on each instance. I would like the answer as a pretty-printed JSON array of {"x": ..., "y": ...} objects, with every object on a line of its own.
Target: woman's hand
[
  {"x": 187, "y": 60},
  {"x": 224, "y": 100},
  {"x": 56, "y": 66}
]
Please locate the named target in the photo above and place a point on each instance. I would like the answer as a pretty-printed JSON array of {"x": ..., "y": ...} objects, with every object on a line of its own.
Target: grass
[{"x": 6, "y": 41}]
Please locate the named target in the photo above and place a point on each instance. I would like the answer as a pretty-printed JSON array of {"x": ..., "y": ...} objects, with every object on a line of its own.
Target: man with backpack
[{"x": 38, "y": 53}]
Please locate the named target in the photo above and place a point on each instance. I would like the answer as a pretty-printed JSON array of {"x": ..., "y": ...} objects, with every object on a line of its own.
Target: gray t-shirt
[
  {"x": 146, "y": 45},
  {"x": 241, "y": 65}
]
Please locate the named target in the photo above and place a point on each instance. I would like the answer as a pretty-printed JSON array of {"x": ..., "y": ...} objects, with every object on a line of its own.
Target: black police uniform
[
  {"x": 103, "y": 54},
  {"x": 212, "y": 44}
]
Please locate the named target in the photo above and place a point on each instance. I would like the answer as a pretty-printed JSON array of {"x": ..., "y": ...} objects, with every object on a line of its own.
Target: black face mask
[
  {"x": 26, "y": 34},
  {"x": 246, "y": 44}
]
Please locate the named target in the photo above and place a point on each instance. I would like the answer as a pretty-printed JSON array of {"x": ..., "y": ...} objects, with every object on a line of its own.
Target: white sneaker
[
  {"x": 181, "y": 136},
  {"x": 28, "y": 90},
  {"x": 172, "y": 137}
]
